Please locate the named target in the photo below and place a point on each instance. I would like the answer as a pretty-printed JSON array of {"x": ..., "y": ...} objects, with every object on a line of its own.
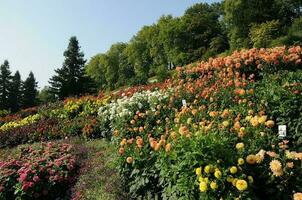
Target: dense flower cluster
[
  {"x": 84, "y": 106},
  {"x": 15, "y": 124},
  {"x": 125, "y": 106},
  {"x": 53, "y": 121},
  {"x": 42, "y": 172},
  {"x": 41, "y": 130},
  {"x": 216, "y": 117}
]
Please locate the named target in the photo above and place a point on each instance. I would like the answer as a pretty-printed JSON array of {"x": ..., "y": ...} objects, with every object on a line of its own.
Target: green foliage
[
  {"x": 46, "y": 96},
  {"x": 113, "y": 57},
  {"x": 4, "y": 113},
  {"x": 261, "y": 35},
  {"x": 240, "y": 15},
  {"x": 170, "y": 42},
  {"x": 5, "y": 80},
  {"x": 294, "y": 36},
  {"x": 15, "y": 93},
  {"x": 162, "y": 73},
  {"x": 296, "y": 28},
  {"x": 281, "y": 95},
  {"x": 30, "y": 92},
  {"x": 126, "y": 70},
  {"x": 139, "y": 54},
  {"x": 70, "y": 80},
  {"x": 96, "y": 69}
]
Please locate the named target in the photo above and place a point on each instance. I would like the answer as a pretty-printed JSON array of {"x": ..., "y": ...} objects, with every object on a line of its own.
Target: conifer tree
[
  {"x": 15, "y": 92},
  {"x": 29, "y": 97},
  {"x": 70, "y": 80},
  {"x": 5, "y": 80}
]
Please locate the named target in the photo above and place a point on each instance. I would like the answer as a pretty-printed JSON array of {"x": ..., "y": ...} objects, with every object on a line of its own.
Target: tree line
[
  {"x": 15, "y": 93},
  {"x": 202, "y": 32}
]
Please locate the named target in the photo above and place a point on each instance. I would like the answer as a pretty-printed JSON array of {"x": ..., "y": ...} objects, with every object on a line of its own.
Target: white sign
[
  {"x": 282, "y": 130},
  {"x": 184, "y": 103}
]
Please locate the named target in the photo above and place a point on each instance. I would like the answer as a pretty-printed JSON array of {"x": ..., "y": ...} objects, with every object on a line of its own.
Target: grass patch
[{"x": 98, "y": 178}]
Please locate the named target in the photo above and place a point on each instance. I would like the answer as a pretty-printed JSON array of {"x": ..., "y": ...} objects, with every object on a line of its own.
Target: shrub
[{"x": 262, "y": 34}]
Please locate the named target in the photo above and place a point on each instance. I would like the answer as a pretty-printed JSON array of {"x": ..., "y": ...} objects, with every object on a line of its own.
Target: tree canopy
[{"x": 157, "y": 48}]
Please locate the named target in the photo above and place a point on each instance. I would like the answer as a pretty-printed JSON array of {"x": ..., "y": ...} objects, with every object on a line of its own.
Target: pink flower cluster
[{"x": 39, "y": 171}]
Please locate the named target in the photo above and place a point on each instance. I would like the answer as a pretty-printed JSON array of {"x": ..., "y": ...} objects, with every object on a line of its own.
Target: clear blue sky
[{"x": 35, "y": 33}]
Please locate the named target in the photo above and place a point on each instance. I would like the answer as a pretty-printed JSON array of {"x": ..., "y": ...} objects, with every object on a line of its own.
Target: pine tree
[
  {"x": 5, "y": 79},
  {"x": 70, "y": 79},
  {"x": 29, "y": 97},
  {"x": 15, "y": 92}
]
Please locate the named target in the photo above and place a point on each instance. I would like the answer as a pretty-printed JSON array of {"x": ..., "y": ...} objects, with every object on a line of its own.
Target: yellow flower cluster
[
  {"x": 86, "y": 105},
  {"x": 72, "y": 106},
  {"x": 256, "y": 120},
  {"x": 15, "y": 124},
  {"x": 209, "y": 178}
]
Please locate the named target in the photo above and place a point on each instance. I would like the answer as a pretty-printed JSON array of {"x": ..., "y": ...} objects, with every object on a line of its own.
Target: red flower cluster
[{"x": 44, "y": 129}]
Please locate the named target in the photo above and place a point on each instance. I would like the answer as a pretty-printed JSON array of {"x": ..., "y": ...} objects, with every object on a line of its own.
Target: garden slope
[{"x": 210, "y": 132}]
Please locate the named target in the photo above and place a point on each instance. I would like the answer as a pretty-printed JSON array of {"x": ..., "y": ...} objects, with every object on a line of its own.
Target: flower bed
[
  {"x": 42, "y": 172},
  {"x": 215, "y": 135}
]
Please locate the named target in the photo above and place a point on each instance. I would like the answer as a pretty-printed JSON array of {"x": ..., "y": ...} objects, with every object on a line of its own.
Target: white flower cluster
[{"x": 127, "y": 106}]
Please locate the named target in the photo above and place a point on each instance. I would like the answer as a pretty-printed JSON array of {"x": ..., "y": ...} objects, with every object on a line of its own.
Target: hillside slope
[{"x": 211, "y": 132}]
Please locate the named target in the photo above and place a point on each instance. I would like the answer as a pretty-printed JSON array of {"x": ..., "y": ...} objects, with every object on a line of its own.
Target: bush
[
  {"x": 281, "y": 95},
  {"x": 3, "y": 113},
  {"x": 262, "y": 34}
]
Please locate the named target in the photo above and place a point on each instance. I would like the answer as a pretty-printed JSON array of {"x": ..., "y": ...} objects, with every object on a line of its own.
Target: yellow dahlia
[
  {"x": 276, "y": 167},
  {"x": 226, "y": 123},
  {"x": 240, "y": 146},
  {"x": 198, "y": 171},
  {"x": 240, "y": 161},
  {"x": 254, "y": 121},
  {"x": 129, "y": 160},
  {"x": 207, "y": 169},
  {"x": 241, "y": 185},
  {"x": 260, "y": 156},
  {"x": 217, "y": 174},
  {"x": 213, "y": 185},
  {"x": 262, "y": 119},
  {"x": 233, "y": 170},
  {"x": 230, "y": 179},
  {"x": 298, "y": 196},
  {"x": 270, "y": 123},
  {"x": 203, "y": 186}
]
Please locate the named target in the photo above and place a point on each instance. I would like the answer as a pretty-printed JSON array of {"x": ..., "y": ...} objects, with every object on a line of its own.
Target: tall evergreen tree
[
  {"x": 5, "y": 79},
  {"x": 70, "y": 80},
  {"x": 15, "y": 92},
  {"x": 29, "y": 97}
]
